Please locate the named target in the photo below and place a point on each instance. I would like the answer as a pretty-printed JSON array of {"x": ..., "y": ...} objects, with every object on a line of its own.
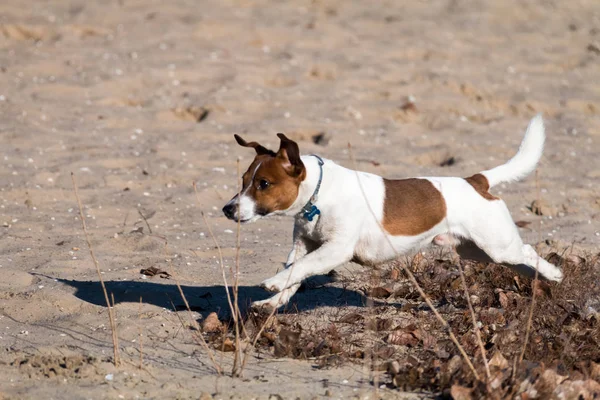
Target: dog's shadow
[{"x": 206, "y": 299}]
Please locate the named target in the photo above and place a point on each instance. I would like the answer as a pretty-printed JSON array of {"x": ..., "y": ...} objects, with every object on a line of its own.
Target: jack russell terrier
[{"x": 342, "y": 215}]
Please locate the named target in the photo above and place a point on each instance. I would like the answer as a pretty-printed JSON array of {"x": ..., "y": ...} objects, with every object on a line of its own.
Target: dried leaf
[
  {"x": 289, "y": 337},
  {"x": 540, "y": 207},
  {"x": 579, "y": 389},
  {"x": 550, "y": 379},
  {"x": 461, "y": 393},
  {"x": 351, "y": 318},
  {"x": 503, "y": 299},
  {"x": 595, "y": 371},
  {"x": 152, "y": 271},
  {"x": 384, "y": 352},
  {"x": 379, "y": 292},
  {"x": 453, "y": 365},
  {"x": 402, "y": 338},
  {"x": 429, "y": 341},
  {"x": 575, "y": 260},
  {"x": 498, "y": 361},
  {"x": 280, "y": 349},
  {"x": 492, "y": 316},
  {"x": 379, "y": 324},
  {"x": 227, "y": 346},
  {"x": 270, "y": 336},
  {"x": 321, "y": 139},
  {"x": 409, "y": 106},
  {"x": 448, "y": 162},
  {"x": 522, "y": 224},
  {"x": 393, "y": 367},
  {"x": 212, "y": 323},
  {"x": 192, "y": 113}
]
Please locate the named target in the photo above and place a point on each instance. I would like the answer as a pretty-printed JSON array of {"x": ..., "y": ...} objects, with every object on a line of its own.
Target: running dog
[{"x": 342, "y": 215}]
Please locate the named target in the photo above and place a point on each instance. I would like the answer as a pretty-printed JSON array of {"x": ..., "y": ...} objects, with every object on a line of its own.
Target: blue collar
[{"x": 310, "y": 210}]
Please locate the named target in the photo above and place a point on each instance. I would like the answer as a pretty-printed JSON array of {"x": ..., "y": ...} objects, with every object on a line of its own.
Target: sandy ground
[{"x": 113, "y": 91}]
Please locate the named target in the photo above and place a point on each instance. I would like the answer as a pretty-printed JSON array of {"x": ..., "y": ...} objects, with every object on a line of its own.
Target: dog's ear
[
  {"x": 260, "y": 149},
  {"x": 289, "y": 154}
]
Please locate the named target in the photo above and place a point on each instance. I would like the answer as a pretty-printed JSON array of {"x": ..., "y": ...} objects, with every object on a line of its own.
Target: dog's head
[{"x": 270, "y": 185}]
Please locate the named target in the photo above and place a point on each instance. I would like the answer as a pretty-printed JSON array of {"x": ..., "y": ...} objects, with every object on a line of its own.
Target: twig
[
  {"x": 233, "y": 307},
  {"x": 193, "y": 321},
  {"x": 237, "y": 358},
  {"x": 413, "y": 280},
  {"x": 271, "y": 315},
  {"x": 475, "y": 325},
  {"x": 219, "y": 252},
  {"x": 535, "y": 279},
  {"x": 145, "y": 220},
  {"x": 140, "y": 335},
  {"x": 111, "y": 317}
]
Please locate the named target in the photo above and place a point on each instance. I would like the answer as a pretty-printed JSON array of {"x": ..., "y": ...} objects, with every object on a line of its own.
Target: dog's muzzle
[{"x": 229, "y": 210}]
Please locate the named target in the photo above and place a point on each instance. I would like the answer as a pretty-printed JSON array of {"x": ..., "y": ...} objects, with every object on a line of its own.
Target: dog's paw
[
  {"x": 263, "y": 306},
  {"x": 273, "y": 285},
  {"x": 555, "y": 275}
]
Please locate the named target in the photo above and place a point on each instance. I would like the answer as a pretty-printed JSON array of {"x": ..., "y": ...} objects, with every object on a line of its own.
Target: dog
[{"x": 342, "y": 215}]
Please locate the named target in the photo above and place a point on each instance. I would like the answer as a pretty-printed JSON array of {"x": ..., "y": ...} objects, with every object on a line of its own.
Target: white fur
[
  {"x": 246, "y": 206},
  {"x": 352, "y": 205},
  {"x": 526, "y": 159}
]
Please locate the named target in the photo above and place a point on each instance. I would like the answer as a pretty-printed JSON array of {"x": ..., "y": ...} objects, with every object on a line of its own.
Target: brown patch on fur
[
  {"x": 411, "y": 206},
  {"x": 481, "y": 185}
]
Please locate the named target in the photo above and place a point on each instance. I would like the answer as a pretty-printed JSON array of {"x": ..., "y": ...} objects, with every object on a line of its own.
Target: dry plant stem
[
  {"x": 197, "y": 338},
  {"x": 475, "y": 325},
  {"x": 414, "y": 282},
  {"x": 372, "y": 356},
  {"x": 212, "y": 235},
  {"x": 238, "y": 350},
  {"x": 140, "y": 334},
  {"x": 535, "y": 279},
  {"x": 193, "y": 322},
  {"x": 233, "y": 308},
  {"x": 113, "y": 324},
  {"x": 264, "y": 325},
  {"x": 145, "y": 220}
]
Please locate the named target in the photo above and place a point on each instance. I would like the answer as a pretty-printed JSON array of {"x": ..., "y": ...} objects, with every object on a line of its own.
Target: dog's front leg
[
  {"x": 299, "y": 249},
  {"x": 321, "y": 261}
]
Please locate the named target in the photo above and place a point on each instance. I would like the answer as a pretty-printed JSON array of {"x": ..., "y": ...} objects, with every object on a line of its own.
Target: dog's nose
[{"x": 229, "y": 210}]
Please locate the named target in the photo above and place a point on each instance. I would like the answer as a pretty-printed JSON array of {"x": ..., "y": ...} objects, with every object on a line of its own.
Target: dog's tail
[{"x": 526, "y": 159}]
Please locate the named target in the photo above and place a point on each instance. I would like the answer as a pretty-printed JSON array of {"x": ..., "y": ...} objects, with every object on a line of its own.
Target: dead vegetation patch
[{"x": 400, "y": 337}]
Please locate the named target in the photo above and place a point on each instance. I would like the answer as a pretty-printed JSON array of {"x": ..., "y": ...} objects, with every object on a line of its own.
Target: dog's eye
[{"x": 263, "y": 184}]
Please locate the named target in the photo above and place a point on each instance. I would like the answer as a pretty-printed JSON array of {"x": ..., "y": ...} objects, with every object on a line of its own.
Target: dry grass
[
  {"x": 565, "y": 333},
  {"x": 111, "y": 316}
]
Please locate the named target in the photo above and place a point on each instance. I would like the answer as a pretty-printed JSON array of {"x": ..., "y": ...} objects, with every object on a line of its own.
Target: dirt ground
[{"x": 139, "y": 99}]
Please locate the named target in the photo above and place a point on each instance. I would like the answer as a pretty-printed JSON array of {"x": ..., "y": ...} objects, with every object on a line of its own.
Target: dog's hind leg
[
  {"x": 503, "y": 245},
  {"x": 546, "y": 269},
  {"x": 468, "y": 250}
]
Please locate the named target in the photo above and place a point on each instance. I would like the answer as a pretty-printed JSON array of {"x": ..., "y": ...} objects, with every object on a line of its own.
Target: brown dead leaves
[
  {"x": 212, "y": 324},
  {"x": 409, "y": 336},
  {"x": 400, "y": 334},
  {"x": 154, "y": 271}
]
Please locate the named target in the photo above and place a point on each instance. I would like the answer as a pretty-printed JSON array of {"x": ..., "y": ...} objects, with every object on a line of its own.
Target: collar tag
[
  {"x": 312, "y": 213},
  {"x": 310, "y": 209}
]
